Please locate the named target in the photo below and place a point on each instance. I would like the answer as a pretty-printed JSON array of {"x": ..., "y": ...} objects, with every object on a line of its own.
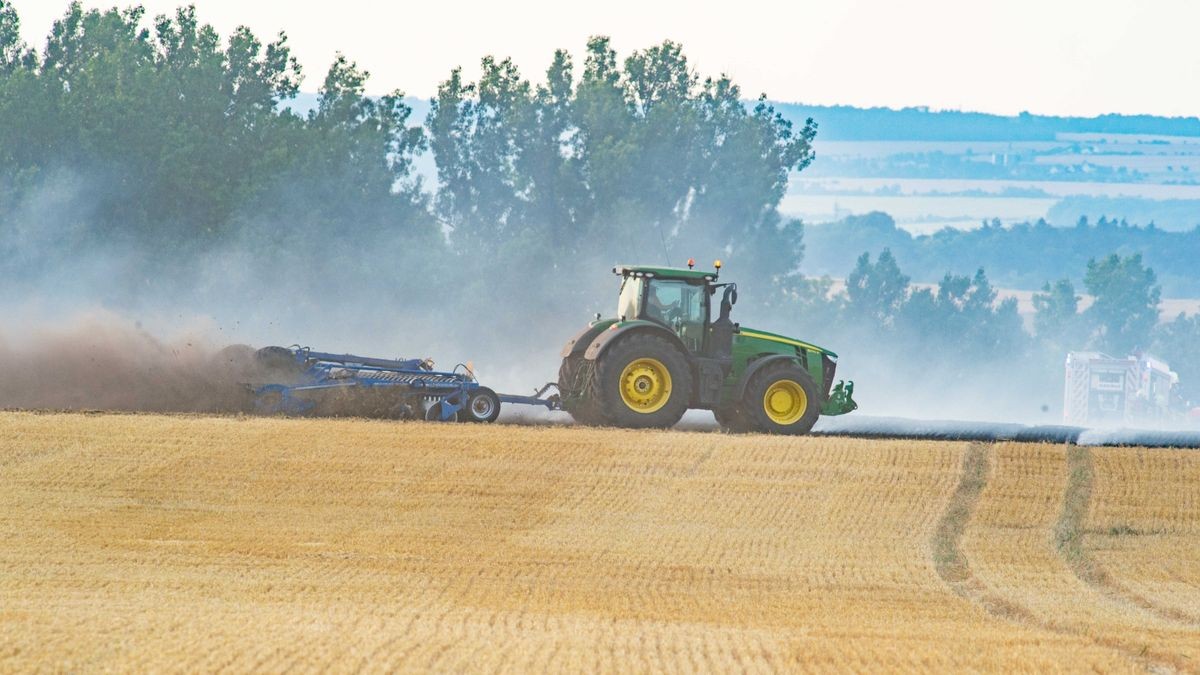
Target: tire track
[
  {"x": 1069, "y": 534},
  {"x": 948, "y": 557},
  {"x": 955, "y": 569}
]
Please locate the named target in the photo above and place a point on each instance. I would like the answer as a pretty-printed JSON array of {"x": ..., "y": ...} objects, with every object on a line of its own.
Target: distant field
[
  {"x": 918, "y": 214},
  {"x": 137, "y": 542},
  {"x": 876, "y": 149},
  {"x": 928, "y": 185},
  {"x": 924, "y": 206}
]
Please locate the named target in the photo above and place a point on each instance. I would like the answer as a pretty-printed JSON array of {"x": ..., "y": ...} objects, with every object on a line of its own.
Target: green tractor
[{"x": 665, "y": 353}]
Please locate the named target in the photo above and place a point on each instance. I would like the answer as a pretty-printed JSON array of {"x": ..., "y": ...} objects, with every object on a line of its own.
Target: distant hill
[{"x": 848, "y": 123}]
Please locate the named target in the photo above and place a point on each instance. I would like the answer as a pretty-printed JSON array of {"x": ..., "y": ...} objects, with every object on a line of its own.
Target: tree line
[
  {"x": 847, "y": 123},
  {"x": 958, "y": 324},
  {"x": 158, "y": 146},
  {"x": 1022, "y": 255}
]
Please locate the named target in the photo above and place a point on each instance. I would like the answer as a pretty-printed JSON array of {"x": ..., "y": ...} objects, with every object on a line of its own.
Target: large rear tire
[
  {"x": 781, "y": 398},
  {"x": 643, "y": 381}
]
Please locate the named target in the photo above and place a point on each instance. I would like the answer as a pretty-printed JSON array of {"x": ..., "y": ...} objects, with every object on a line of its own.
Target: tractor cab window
[
  {"x": 681, "y": 307},
  {"x": 629, "y": 303}
]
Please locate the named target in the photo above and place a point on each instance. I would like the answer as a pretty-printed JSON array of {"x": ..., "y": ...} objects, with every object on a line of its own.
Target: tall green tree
[
  {"x": 607, "y": 144},
  {"x": 963, "y": 318},
  {"x": 1127, "y": 296},
  {"x": 478, "y": 134},
  {"x": 1056, "y": 319},
  {"x": 157, "y": 146},
  {"x": 1178, "y": 342},
  {"x": 876, "y": 291},
  {"x": 169, "y": 130},
  {"x": 638, "y": 159},
  {"x": 557, "y": 200},
  {"x": 12, "y": 48},
  {"x": 22, "y": 104},
  {"x": 348, "y": 189},
  {"x": 365, "y": 145}
]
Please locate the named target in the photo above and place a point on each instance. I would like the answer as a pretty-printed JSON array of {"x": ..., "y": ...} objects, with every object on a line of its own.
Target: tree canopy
[
  {"x": 1126, "y": 307},
  {"x": 642, "y": 159}
]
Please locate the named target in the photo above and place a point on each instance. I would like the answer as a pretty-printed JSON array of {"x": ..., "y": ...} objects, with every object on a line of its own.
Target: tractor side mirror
[{"x": 728, "y": 300}]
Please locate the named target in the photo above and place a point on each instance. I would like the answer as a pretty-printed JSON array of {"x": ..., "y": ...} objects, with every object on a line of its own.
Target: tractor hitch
[
  {"x": 552, "y": 402},
  {"x": 841, "y": 399}
]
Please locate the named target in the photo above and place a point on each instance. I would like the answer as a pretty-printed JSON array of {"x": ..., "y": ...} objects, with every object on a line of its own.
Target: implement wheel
[
  {"x": 482, "y": 406},
  {"x": 643, "y": 382},
  {"x": 781, "y": 399}
]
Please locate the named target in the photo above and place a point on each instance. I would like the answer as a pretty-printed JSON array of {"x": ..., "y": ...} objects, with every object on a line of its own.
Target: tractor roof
[{"x": 664, "y": 272}]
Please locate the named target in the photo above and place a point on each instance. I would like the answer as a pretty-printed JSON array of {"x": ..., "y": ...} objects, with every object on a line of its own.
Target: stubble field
[{"x": 140, "y": 542}]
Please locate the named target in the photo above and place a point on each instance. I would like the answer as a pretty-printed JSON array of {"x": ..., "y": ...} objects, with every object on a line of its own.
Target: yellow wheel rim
[
  {"x": 645, "y": 385},
  {"x": 785, "y": 402}
]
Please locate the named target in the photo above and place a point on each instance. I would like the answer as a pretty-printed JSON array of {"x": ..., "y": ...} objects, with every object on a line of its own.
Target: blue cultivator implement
[{"x": 299, "y": 381}]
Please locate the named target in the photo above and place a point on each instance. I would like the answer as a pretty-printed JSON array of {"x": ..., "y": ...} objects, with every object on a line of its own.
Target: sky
[{"x": 1063, "y": 57}]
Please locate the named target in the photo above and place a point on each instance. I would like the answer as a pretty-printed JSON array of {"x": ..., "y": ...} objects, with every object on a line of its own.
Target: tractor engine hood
[{"x": 783, "y": 339}]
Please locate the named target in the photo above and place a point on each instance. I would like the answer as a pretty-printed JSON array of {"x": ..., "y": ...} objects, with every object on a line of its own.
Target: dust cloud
[{"x": 101, "y": 361}]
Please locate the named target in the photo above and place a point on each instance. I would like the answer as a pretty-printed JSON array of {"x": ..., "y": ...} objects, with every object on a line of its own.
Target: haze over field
[
  {"x": 173, "y": 174},
  {"x": 1015, "y": 296}
]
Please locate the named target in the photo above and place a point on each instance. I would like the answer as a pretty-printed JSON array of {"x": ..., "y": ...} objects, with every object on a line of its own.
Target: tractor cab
[{"x": 680, "y": 300}]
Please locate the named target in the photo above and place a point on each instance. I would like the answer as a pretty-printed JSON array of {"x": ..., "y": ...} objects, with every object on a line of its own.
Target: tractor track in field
[
  {"x": 948, "y": 557},
  {"x": 1070, "y": 533},
  {"x": 954, "y": 568}
]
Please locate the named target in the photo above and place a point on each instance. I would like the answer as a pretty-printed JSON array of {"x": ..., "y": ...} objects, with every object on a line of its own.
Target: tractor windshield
[
  {"x": 629, "y": 304},
  {"x": 680, "y": 306}
]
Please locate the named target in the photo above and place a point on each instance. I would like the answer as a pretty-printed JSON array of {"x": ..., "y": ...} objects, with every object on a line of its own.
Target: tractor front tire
[
  {"x": 643, "y": 381},
  {"x": 781, "y": 399}
]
